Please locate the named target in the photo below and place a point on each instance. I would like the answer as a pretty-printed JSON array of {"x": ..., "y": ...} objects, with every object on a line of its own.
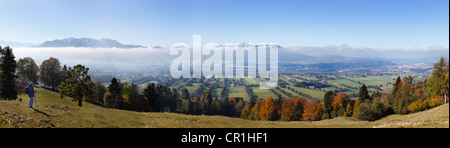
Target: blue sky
[{"x": 383, "y": 24}]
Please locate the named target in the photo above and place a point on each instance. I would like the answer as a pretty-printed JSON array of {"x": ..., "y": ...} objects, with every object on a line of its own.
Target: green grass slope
[
  {"x": 437, "y": 117},
  {"x": 51, "y": 111}
]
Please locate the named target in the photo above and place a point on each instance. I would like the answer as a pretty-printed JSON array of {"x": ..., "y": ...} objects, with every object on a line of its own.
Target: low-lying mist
[{"x": 104, "y": 58}]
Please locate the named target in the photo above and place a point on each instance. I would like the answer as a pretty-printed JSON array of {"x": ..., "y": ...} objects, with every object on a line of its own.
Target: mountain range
[
  {"x": 87, "y": 42},
  {"x": 298, "y": 55}
]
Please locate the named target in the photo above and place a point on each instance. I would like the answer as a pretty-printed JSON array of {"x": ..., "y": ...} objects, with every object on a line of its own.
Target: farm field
[
  {"x": 314, "y": 93},
  {"x": 236, "y": 92},
  {"x": 315, "y": 86},
  {"x": 262, "y": 93},
  {"x": 344, "y": 82}
]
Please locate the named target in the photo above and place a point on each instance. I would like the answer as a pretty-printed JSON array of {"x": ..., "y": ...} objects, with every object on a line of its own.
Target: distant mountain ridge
[
  {"x": 87, "y": 42},
  {"x": 16, "y": 44}
]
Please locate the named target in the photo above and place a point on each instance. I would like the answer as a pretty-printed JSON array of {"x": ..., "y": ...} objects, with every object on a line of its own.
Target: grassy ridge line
[
  {"x": 63, "y": 113},
  {"x": 437, "y": 118}
]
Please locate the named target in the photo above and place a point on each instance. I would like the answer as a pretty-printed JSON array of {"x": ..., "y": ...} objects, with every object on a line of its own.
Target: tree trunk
[
  {"x": 445, "y": 97},
  {"x": 80, "y": 103}
]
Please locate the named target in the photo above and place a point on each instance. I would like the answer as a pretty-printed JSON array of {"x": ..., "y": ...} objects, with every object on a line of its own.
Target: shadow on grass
[{"x": 43, "y": 113}]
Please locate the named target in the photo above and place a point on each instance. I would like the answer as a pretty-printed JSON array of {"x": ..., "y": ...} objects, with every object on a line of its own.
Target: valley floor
[{"x": 51, "y": 111}]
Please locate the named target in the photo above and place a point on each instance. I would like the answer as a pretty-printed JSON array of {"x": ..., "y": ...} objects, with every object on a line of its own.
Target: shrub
[{"x": 365, "y": 113}]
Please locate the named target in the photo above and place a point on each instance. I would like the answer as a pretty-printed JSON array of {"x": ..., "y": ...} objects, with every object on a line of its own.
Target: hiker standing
[{"x": 31, "y": 94}]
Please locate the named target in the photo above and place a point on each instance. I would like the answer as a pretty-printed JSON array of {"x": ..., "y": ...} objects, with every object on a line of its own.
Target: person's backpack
[{"x": 27, "y": 90}]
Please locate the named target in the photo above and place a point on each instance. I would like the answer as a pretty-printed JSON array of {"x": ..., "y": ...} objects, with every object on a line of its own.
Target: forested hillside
[{"x": 53, "y": 112}]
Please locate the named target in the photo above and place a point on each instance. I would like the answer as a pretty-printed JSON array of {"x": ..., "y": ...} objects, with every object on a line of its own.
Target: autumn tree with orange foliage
[
  {"x": 340, "y": 103},
  {"x": 287, "y": 110},
  {"x": 292, "y": 109},
  {"x": 407, "y": 96},
  {"x": 313, "y": 111},
  {"x": 267, "y": 110},
  {"x": 255, "y": 113}
]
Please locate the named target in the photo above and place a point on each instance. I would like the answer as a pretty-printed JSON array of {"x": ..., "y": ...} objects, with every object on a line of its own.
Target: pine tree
[
  {"x": 151, "y": 96},
  {"x": 349, "y": 111},
  {"x": 187, "y": 106},
  {"x": 278, "y": 106},
  {"x": 363, "y": 94},
  {"x": 8, "y": 77},
  {"x": 446, "y": 86},
  {"x": 173, "y": 100},
  {"x": 187, "y": 103},
  {"x": 206, "y": 100},
  {"x": 298, "y": 108},
  {"x": 115, "y": 91},
  {"x": 327, "y": 106},
  {"x": 100, "y": 91},
  {"x": 438, "y": 85},
  {"x": 185, "y": 94},
  {"x": 396, "y": 86}
]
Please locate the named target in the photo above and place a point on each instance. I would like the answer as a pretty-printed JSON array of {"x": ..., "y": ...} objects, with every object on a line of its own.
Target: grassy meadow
[{"x": 52, "y": 112}]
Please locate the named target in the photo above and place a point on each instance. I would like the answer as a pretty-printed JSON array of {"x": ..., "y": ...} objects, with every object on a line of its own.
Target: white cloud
[
  {"x": 95, "y": 56},
  {"x": 348, "y": 51}
]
